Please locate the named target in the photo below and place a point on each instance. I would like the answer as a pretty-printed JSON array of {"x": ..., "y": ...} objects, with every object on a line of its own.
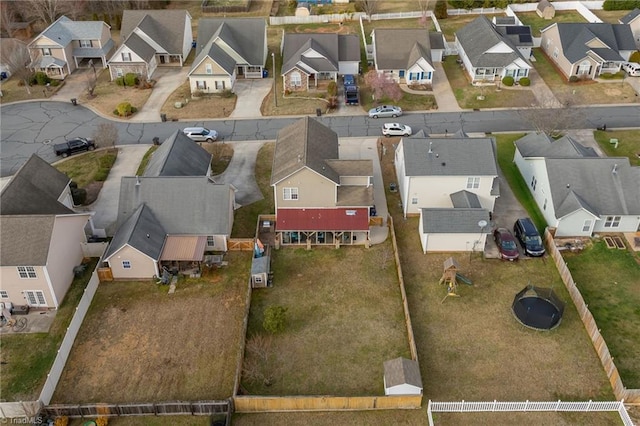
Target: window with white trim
[
  {"x": 290, "y": 194},
  {"x": 586, "y": 226},
  {"x": 46, "y": 51},
  {"x": 295, "y": 79},
  {"x": 414, "y": 201},
  {"x": 584, "y": 68},
  {"x": 4, "y": 294},
  {"x": 257, "y": 279},
  {"x": 126, "y": 264},
  {"x": 85, "y": 43},
  {"x": 612, "y": 222},
  {"x": 211, "y": 241},
  {"x": 219, "y": 85},
  {"x": 201, "y": 85},
  {"x": 208, "y": 68},
  {"x": 533, "y": 182},
  {"x": 473, "y": 182},
  {"x": 27, "y": 272},
  {"x": 119, "y": 72},
  {"x": 126, "y": 56}
]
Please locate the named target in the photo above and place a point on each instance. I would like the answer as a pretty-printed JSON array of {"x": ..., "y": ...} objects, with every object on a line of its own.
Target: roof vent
[
  {"x": 137, "y": 181},
  {"x": 615, "y": 169},
  {"x": 430, "y": 150},
  {"x": 444, "y": 164},
  {"x": 568, "y": 185},
  {"x": 299, "y": 158}
]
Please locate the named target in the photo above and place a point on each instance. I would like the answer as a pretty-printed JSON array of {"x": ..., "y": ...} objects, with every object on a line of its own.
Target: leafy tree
[
  {"x": 382, "y": 86},
  {"x": 635, "y": 56},
  {"x": 441, "y": 9},
  {"x": 275, "y": 319}
]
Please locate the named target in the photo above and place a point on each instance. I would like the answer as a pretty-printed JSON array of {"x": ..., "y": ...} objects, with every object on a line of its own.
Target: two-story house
[
  {"x": 41, "y": 235},
  {"x": 319, "y": 198},
  {"x": 452, "y": 184},
  {"x": 66, "y": 45}
]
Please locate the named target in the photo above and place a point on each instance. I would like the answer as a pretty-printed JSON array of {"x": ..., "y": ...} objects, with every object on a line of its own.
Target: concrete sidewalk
[{"x": 105, "y": 208}]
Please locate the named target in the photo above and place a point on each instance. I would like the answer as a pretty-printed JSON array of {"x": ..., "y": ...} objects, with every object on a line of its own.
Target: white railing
[
  {"x": 67, "y": 342},
  {"x": 314, "y": 19},
  {"x": 479, "y": 11},
  {"x": 500, "y": 406}
]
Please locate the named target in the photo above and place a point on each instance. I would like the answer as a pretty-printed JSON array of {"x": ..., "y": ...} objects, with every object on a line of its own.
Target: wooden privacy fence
[
  {"x": 194, "y": 408},
  {"x": 240, "y": 244},
  {"x": 405, "y": 305},
  {"x": 261, "y": 404},
  {"x": 499, "y": 406},
  {"x": 629, "y": 395}
]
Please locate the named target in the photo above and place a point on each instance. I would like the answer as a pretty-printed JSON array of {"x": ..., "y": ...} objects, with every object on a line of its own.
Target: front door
[{"x": 35, "y": 298}]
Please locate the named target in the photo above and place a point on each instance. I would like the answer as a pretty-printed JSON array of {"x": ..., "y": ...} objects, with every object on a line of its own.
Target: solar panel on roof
[{"x": 526, "y": 38}]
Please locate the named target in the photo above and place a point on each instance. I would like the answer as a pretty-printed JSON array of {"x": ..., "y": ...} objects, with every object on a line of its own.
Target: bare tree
[
  {"x": 45, "y": 10},
  {"x": 17, "y": 59},
  {"x": 424, "y": 8},
  {"x": 106, "y": 135},
  {"x": 8, "y": 15},
  {"x": 382, "y": 86},
  {"x": 369, "y": 7},
  {"x": 551, "y": 116},
  {"x": 90, "y": 83}
]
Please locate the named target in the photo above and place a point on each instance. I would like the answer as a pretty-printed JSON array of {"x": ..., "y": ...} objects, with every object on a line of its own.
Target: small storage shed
[
  {"x": 303, "y": 9},
  {"x": 402, "y": 377},
  {"x": 261, "y": 266},
  {"x": 545, "y": 9}
]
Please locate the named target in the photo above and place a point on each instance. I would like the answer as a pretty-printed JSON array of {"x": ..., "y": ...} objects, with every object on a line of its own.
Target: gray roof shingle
[
  {"x": 449, "y": 157},
  {"x": 626, "y": 19},
  {"x": 305, "y": 143},
  {"x": 465, "y": 199},
  {"x": 604, "y": 186},
  {"x": 575, "y": 36},
  {"x": 178, "y": 156},
  {"x": 453, "y": 221},
  {"x": 25, "y": 239},
  {"x": 477, "y": 37},
  {"x": 245, "y": 36},
  {"x": 63, "y": 31},
  {"x": 400, "y": 48},
  {"x": 141, "y": 231},
  {"x": 333, "y": 48},
  {"x": 400, "y": 371},
  {"x": 34, "y": 190},
  {"x": 541, "y": 145},
  {"x": 182, "y": 205},
  {"x": 140, "y": 47},
  {"x": 165, "y": 27}
]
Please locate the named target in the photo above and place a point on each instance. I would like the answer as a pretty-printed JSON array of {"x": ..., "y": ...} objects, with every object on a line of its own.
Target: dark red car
[{"x": 506, "y": 243}]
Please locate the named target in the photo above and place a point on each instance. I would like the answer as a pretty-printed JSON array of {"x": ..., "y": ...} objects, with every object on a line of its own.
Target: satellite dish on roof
[{"x": 482, "y": 223}]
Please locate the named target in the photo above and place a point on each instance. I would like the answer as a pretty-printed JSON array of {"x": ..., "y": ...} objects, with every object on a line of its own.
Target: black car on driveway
[{"x": 526, "y": 232}]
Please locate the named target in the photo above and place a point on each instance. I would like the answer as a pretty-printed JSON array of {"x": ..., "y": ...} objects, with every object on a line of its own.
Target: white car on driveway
[
  {"x": 396, "y": 129},
  {"x": 385, "y": 111}
]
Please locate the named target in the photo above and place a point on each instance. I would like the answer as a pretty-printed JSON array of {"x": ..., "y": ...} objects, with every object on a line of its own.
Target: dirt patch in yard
[{"x": 139, "y": 343}]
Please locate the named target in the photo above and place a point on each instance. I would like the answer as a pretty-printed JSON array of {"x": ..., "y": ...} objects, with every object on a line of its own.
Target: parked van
[
  {"x": 526, "y": 232},
  {"x": 632, "y": 69}
]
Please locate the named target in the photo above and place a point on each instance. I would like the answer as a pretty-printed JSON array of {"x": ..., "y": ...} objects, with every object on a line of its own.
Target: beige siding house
[
  {"x": 44, "y": 234},
  {"x": 66, "y": 45},
  {"x": 319, "y": 198},
  {"x": 587, "y": 50},
  {"x": 228, "y": 49},
  {"x": 152, "y": 38}
]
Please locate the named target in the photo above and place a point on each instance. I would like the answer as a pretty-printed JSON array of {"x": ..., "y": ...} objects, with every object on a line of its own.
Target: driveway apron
[
  {"x": 240, "y": 172},
  {"x": 250, "y": 93}
]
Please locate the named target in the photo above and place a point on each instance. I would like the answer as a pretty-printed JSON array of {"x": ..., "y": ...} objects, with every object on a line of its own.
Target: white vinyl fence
[{"x": 499, "y": 406}]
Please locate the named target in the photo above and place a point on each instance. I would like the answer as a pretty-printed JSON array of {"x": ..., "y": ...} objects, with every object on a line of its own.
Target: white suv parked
[{"x": 201, "y": 134}]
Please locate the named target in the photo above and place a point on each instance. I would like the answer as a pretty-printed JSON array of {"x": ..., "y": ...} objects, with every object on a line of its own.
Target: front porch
[{"x": 323, "y": 238}]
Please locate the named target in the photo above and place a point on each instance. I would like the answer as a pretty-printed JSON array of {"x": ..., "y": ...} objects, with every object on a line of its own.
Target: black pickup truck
[{"x": 74, "y": 145}]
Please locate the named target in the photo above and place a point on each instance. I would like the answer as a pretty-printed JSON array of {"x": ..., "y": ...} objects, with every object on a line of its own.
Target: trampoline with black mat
[{"x": 538, "y": 308}]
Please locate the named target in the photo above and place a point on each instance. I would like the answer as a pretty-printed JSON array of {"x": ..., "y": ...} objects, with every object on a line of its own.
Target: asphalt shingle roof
[
  {"x": 140, "y": 47},
  {"x": 34, "y": 190},
  {"x": 400, "y": 371},
  {"x": 449, "y": 157},
  {"x": 25, "y": 239},
  {"x": 398, "y": 48},
  {"x": 465, "y": 199},
  {"x": 165, "y": 27},
  {"x": 626, "y": 19},
  {"x": 575, "y": 36},
  {"x": 453, "y": 221},
  {"x": 333, "y": 47},
  {"x": 64, "y": 30},
  {"x": 142, "y": 231},
  {"x": 477, "y": 37},
  {"x": 178, "y": 156},
  {"x": 604, "y": 186},
  {"x": 541, "y": 145},
  {"x": 305, "y": 143},
  {"x": 183, "y": 205}
]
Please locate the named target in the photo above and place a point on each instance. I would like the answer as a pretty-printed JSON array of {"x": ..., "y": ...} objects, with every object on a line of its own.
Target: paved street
[{"x": 28, "y": 127}]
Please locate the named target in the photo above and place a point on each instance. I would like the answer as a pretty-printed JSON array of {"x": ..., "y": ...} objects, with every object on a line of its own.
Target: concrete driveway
[
  {"x": 241, "y": 172},
  {"x": 250, "y": 93},
  {"x": 74, "y": 85},
  {"x": 167, "y": 81}
]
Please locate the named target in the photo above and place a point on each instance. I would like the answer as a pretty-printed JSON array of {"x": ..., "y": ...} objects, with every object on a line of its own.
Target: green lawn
[
  {"x": 408, "y": 102},
  {"x": 506, "y": 150},
  {"x": 467, "y": 95},
  {"x": 27, "y": 358},
  {"x": 86, "y": 168},
  {"x": 608, "y": 281},
  {"x": 537, "y": 23},
  {"x": 628, "y": 144}
]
